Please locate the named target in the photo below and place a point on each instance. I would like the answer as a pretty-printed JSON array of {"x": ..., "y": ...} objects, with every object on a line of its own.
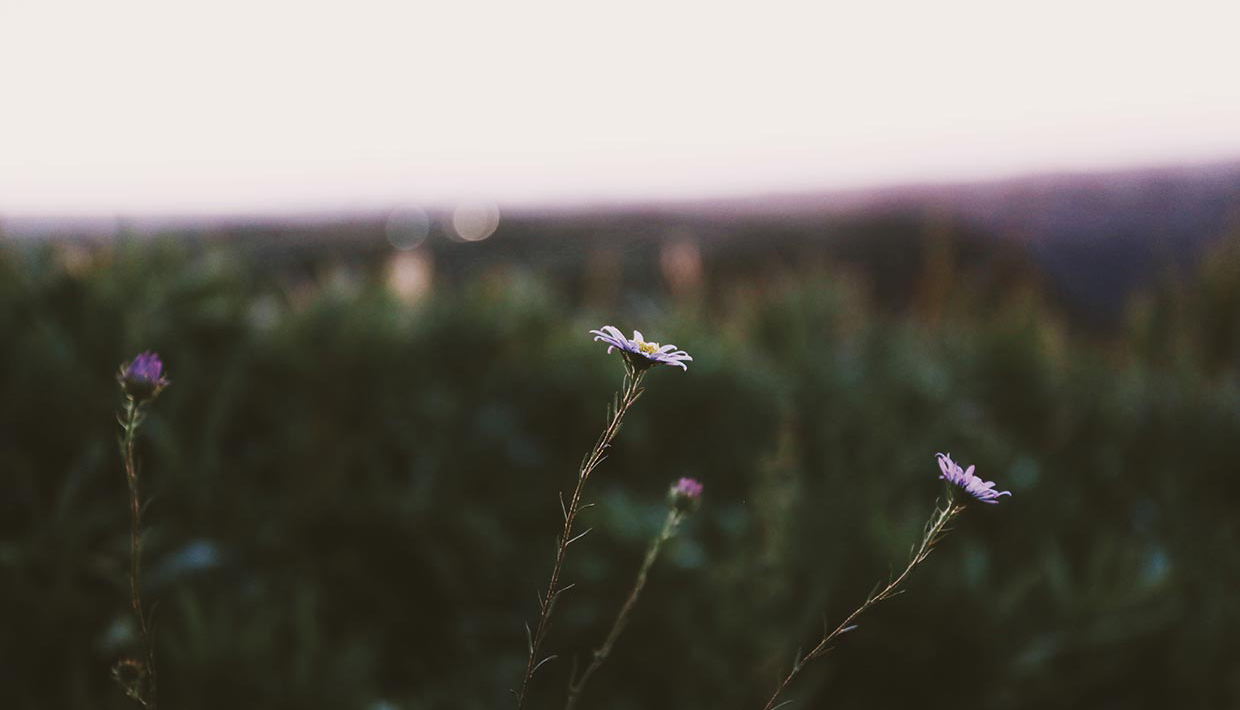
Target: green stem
[
  {"x": 629, "y": 393},
  {"x": 935, "y": 529},
  {"x": 600, "y": 655},
  {"x": 133, "y": 417}
]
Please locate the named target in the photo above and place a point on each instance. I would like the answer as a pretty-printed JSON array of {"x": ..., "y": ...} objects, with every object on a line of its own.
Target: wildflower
[
  {"x": 639, "y": 353},
  {"x": 143, "y": 378},
  {"x": 967, "y": 482},
  {"x": 685, "y": 494}
]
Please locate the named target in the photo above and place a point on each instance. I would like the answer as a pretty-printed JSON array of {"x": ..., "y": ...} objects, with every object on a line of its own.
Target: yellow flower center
[{"x": 648, "y": 348}]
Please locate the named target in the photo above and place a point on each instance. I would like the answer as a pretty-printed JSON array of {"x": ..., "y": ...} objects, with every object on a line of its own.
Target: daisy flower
[{"x": 639, "y": 353}]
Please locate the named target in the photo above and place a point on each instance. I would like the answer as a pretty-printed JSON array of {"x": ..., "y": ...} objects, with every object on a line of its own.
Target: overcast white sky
[{"x": 150, "y": 106}]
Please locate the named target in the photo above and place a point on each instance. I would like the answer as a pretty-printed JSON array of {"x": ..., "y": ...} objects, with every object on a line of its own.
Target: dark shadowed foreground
[{"x": 355, "y": 482}]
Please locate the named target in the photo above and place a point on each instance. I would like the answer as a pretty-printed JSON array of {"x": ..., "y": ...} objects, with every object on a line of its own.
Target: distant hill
[
  {"x": 1093, "y": 237},
  {"x": 1097, "y": 236}
]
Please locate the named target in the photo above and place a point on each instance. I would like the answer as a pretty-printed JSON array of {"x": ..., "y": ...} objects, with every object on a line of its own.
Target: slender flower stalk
[
  {"x": 962, "y": 487},
  {"x": 141, "y": 381},
  {"x": 682, "y": 498},
  {"x": 629, "y": 392},
  {"x": 640, "y": 356},
  {"x": 934, "y": 531}
]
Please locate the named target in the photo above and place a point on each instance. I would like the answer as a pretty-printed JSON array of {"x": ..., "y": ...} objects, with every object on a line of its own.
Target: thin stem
[
  {"x": 575, "y": 686},
  {"x": 133, "y": 417},
  {"x": 934, "y": 531},
  {"x": 629, "y": 393}
]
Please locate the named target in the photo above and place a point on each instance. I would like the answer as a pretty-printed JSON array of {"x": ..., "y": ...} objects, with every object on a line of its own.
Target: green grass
[{"x": 375, "y": 484}]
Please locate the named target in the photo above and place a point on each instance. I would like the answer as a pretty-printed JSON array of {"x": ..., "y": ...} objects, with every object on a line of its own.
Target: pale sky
[{"x": 160, "y": 106}]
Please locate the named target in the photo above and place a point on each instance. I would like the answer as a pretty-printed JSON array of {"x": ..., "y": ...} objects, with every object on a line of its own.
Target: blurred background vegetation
[{"x": 355, "y": 472}]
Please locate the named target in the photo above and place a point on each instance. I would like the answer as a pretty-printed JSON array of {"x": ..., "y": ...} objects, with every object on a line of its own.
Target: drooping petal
[{"x": 968, "y": 481}]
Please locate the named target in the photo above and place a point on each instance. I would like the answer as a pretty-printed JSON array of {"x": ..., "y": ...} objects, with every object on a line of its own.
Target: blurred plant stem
[
  {"x": 576, "y": 685},
  {"x": 629, "y": 392},
  {"x": 143, "y": 688},
  {"x": 936, "y": 527}
]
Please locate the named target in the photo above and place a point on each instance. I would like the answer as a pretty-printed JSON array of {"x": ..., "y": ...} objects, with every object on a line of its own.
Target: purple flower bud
[
  {"x": 685, "y": 495},
  {"x": 143, "y": 378}
]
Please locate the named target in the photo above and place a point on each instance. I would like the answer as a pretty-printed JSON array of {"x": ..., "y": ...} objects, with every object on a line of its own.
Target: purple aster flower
[
  {"x": 965, "y": 480},
  {"x": 143, "y": 377},
  {"x": 639, "y": 353},
  {"x": 685, "y": 494}
]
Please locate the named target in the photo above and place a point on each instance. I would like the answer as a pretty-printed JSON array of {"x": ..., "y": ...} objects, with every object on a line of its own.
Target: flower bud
[
  {"x": 685, "y": 495},
  {"x": 143, "y": 377}
]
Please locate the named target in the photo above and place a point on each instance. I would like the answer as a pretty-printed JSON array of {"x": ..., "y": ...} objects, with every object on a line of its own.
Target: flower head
[
  {"x": 143, "y": 377},
  {"x": 685, "y": 494},
  {"x": 639, "y": 353},
  {"x": 965, "y": 480}
]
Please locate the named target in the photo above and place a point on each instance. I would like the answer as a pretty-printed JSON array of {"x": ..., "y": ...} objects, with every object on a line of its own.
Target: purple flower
[
  {"x": 688, "y": 488},
  {"x": 639, "y": 353},
  {"x": 685, "y": 494},
  {"x": 143, "y": 377},
  {"x": 967, "y": 482}
]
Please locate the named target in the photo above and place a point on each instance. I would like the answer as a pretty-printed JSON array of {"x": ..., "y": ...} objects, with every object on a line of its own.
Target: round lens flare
[
  {"x": 475, "y": 221},
  {"x": 407, "y": 227}
]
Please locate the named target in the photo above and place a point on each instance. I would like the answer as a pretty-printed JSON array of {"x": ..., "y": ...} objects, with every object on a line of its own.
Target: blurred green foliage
[{"x": 355, "y": 496}]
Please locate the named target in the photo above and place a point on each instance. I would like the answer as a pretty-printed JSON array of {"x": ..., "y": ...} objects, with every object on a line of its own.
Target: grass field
[{"x": 354, "y": 487}]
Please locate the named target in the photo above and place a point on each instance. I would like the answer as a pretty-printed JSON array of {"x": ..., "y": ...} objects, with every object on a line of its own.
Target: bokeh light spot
[
  {"x": 411, "y": 275},
  {"x": 475, "y": 221},
  {"x": 407, "y": 227}
]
